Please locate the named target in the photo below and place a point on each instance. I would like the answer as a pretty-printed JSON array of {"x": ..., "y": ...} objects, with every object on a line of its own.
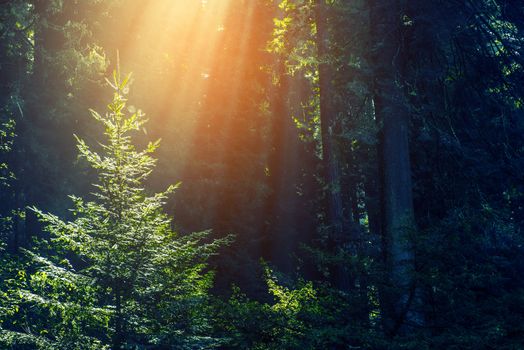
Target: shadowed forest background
[{"x": 331, "y": 174}]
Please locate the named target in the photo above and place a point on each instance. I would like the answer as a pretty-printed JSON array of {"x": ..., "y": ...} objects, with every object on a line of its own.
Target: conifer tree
[{"x": 121, "y": 278}]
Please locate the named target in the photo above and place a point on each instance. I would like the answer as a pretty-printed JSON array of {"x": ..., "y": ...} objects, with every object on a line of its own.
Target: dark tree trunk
[
  {"x": 41, "y": 151},
  {"x": 338, "y": 211},
  {"x": 289, "y": 218},
  {"x": 34, "y": 96},
  {"x": 277, "y": 245},
  {"x": 391, "y": 110}
]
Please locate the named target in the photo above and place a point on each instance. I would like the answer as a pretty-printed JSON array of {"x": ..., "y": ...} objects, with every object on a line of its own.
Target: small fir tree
[{"x": 118, "y": 276}]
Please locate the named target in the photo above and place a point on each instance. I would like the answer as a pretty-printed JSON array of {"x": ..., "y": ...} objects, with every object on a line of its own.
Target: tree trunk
[
  {"x": 277, "y": 243},
  {"x": 337, "y": 218},
  {"x": 391, "y": 110},
  {"x": 37, "y": 146}
]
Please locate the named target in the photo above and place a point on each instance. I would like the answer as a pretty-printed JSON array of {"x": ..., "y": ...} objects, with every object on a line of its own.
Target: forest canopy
[{"x": 261, "y": 174}]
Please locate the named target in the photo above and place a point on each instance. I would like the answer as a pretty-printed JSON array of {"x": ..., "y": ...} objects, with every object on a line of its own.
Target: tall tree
[
  {"x": 61, "y": 57},
  {"x": 392, "y": 111},
  {"x": 328, "y": 123}
]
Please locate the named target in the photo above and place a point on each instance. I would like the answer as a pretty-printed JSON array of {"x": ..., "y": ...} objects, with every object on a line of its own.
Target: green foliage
[
  {"x": 473, "y": 287},
  {"x": 277, "y": 325},
  {"x": 299, "y": 316},
  {"x": 120, "y": 276},
  {"x": 294, "y": 36},
  {"x": 7, "y": 135}
]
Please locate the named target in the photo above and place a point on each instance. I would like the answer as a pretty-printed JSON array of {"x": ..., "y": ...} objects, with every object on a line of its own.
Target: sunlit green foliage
[
  {"x": 120, "y": 276},
  {"x": 299, "y": 315}
]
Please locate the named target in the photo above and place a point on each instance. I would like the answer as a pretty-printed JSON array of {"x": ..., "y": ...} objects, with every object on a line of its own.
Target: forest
[{"x": 261, "y": 174}]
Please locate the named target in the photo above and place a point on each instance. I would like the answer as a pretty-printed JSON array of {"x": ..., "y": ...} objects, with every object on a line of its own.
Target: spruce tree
[{"x": 117, "y": 275}]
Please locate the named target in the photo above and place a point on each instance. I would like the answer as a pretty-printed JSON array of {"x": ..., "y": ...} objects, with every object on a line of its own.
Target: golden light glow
[
  {"x": 198, "y": 77},
  {"x": 172, "y": 47}
]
